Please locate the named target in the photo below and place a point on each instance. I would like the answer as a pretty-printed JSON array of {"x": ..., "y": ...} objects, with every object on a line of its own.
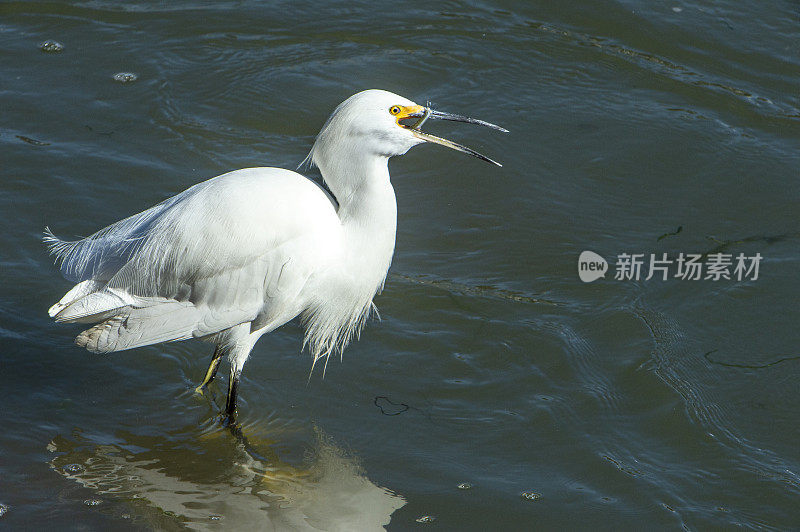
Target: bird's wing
[{"x": 200, "y": 262}]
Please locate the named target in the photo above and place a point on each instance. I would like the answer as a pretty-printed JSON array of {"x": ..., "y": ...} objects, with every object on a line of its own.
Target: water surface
[{"x": 619, "y": 404}]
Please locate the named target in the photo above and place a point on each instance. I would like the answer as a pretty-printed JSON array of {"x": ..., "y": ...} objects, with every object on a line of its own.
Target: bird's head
[{"x": 380, "y": 123}]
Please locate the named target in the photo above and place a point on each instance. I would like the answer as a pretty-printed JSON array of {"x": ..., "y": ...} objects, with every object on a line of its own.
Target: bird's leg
[
  {"x": 241, "y": 343},
  {"x": 233, "y": 387},
  {"x": 212, "y": 369}
]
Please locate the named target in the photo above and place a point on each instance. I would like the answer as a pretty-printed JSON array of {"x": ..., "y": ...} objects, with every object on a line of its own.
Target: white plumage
[{"x": 237, "y": 256}]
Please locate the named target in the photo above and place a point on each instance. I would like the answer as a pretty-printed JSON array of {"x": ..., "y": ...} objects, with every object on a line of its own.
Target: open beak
[{"x": 425, "y": 113}]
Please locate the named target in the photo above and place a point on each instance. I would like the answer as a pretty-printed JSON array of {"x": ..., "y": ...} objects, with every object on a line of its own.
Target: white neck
[{"x": 368, "y": 212}]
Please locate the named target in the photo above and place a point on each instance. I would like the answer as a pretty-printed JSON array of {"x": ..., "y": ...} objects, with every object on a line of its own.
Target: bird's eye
[{"x": 395, "y": 109}]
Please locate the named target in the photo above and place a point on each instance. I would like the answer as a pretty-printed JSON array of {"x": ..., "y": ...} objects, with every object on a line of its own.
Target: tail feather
[
  {"x": 78, "y": 291},
  {"x": 127, "y": 321},
  {"x": 137, "y": 327},
  {"x": 94, "y": 306}
]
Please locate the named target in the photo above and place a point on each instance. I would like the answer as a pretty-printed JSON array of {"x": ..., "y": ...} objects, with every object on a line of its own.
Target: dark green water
[{"x": 619, "y": 404}]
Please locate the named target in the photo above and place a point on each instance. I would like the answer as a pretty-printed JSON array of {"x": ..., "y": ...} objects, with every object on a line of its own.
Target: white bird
[{"x": 239, "y": 255}]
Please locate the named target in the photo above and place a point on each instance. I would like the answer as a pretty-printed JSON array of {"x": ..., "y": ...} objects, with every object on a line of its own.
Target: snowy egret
[{"x": 239, "y": 255}]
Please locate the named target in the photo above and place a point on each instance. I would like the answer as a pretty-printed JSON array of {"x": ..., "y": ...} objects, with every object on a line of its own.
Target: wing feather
[{"x": 196, "y": 264}]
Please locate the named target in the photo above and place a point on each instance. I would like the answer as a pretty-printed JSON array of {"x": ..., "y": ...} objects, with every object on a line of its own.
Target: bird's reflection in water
[{"x": 222, "y": 479}]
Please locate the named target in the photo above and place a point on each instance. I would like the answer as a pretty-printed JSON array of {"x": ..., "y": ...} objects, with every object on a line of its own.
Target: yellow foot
[{"x": 211, "y": 371}]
